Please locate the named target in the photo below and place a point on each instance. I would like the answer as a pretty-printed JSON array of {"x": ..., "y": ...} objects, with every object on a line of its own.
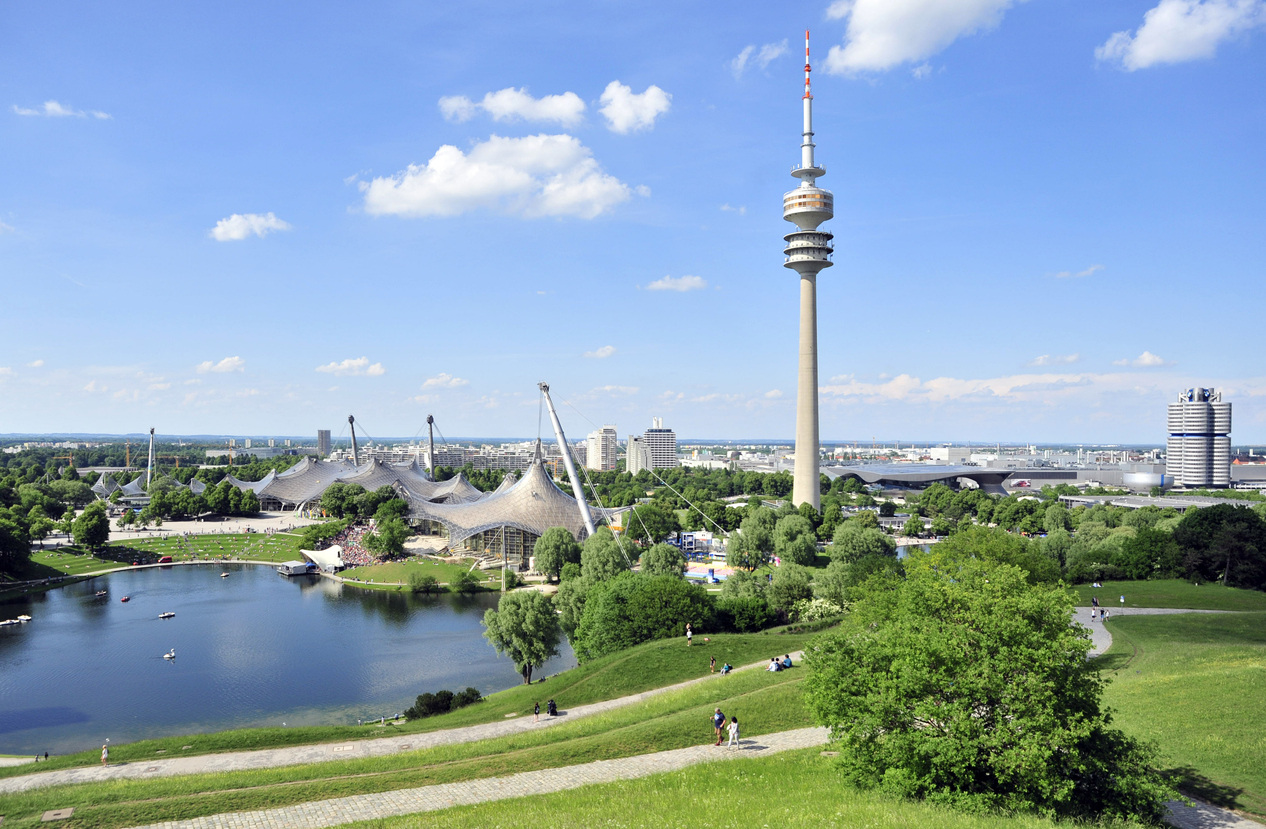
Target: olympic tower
[{"x": 808, "y": 251}]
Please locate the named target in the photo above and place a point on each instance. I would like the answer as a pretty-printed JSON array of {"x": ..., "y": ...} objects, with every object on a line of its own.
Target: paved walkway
[
  {"x": 1101, "y": 639},
  {"x": 430, "y": 798},
  {"x": 324, "y": 752}
]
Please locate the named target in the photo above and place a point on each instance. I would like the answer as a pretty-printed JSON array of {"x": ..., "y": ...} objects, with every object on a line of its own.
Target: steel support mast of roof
[{"x": 576, "y": 487}]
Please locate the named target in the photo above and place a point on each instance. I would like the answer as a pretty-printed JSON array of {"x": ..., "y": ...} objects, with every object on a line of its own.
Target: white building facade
[{"x": 600, "y": 449}]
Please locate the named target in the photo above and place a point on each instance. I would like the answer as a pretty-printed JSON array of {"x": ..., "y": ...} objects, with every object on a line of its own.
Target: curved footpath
[
  {"x": 322, "y": 752},
  {"x": 342, "y": 810},
  {"x": 1101, "y": 639}
]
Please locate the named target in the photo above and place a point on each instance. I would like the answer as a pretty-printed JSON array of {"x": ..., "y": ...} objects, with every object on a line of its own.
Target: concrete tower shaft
[{"x": 808, "y": 252}]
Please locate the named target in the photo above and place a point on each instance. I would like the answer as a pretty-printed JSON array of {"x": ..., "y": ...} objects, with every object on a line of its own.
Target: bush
[
  {"x": 423, "y": 583},
  {"x": 814, "y": 610},
  {"x": 441, "y": 702},
  {"x": 743, "y": 614},
  {"x": 467, "y": 582}
]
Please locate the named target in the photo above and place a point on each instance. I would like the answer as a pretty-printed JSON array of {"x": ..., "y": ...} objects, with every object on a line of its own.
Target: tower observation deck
[{"x": 807, "y": 253}]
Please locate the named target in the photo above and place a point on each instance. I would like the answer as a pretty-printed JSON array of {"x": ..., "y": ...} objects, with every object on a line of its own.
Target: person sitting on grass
[
  {"x": 725, "y": 669},
  {"x": 786, "y": 660}
]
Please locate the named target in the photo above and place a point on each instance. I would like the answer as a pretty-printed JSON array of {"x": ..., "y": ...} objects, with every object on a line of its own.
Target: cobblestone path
[{"x": 430, "y": 798}]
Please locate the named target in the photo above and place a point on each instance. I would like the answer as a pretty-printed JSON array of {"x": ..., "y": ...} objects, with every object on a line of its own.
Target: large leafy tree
[
  {"x": 664, "y": 560},
  {"x": 1223, "y": 541},
  {"x": 853, "y": 541},
  {"x": 755, "y": 541},
  {"x": 525, "y": 628},
  {"x": 795, "y": 540},
  {"x": 649, "y": 523},
  {"x": 601, "y": 556},
  {"x": 633, "y": 608},
  {"x": 966, "y": 684},
  {"x": 556, "y": 547},
  {"x": 92, "y": 528},
  {"x": 997, "y": 545}
]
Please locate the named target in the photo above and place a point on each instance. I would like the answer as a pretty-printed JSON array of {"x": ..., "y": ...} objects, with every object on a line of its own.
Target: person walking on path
[
  {"x": 1122, "y": 601},
  {"x": 734, "y": 733},
  {"x": 689, "y": 633},
  {"x": 536, "y": 713},
  {"x": 105, "y": 754},
  {"x": 712, "y": 665},
  {"x": 718, "y": 723}
]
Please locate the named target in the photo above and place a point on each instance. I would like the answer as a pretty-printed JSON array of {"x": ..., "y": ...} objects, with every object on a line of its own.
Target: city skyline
[{"x": 1046, "y": 222}]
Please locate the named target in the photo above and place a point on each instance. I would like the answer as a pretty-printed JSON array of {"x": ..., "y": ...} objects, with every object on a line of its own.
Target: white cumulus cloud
[
  {"x": 1145, "y": 360},
  {"x": 512, "y": 104},
  {"x": 773, "y": 394},
  {"x": 4, "y": 228},
  {"x": 1182, "y": 30},
  {"x": 443, "y": 380},
  {"x": 601, "y": 353},
  {"x": 882, "y": 34},
  {"x": 223, "y": 367},
  {"x": 353, "y": 367},
  {"x": 756, "y": 56},
  {"x": 678, "y": 283},
  {"x": 537, "y": 175},
  {"x": 1054, "y": 359},
  {"x": 35, "y": 364},
  {"x": 628, "y": 111},
  {"x": 52, "y": 109},
  {"x": 240, "y": 225}
]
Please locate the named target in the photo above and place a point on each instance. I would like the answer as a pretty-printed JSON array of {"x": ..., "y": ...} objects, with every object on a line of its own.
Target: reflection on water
[{"x": 253, "y": 649}]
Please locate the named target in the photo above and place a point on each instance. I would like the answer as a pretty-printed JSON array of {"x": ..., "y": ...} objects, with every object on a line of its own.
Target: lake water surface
[{"x": 252, "y": 649}]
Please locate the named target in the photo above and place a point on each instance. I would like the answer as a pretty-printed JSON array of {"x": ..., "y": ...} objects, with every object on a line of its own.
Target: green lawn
[
  {"x": 647, "y": 666},
  {"x": 795, "y": 789},
  {"x": 277, "y": 547},
  {"x": 397, "y": 572},
  {"x": 1196, "y": 684},
  {"x": 763, "y": 702},
  {"x": 1170, "y": 593}
]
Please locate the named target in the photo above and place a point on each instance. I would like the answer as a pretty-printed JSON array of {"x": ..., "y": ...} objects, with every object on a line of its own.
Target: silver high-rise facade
[{"x": 1198, "y": 452}]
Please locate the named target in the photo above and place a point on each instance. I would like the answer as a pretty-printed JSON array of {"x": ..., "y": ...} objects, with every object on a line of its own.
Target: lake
[{"x": 253, "y": 649}]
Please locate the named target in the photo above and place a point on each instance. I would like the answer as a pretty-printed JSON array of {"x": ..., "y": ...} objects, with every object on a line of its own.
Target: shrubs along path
[{"x": 300, "y": 755}]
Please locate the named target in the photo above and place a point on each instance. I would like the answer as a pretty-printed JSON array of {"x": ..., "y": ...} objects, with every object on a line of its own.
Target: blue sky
[{"x": 257, "y": 218}]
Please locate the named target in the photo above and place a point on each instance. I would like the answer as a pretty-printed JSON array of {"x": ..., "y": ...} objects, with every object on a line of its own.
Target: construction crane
[{"x": 567, "y": 461}]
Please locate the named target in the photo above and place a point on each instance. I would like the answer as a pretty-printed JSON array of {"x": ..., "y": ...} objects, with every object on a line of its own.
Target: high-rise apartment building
[
  {"x": 323, "y": 442},
  {"x": 1198, "y": 452},
  {"x": 662, "y": 444},
  {"x": 600, "y": 449},
  {"x": 637, "y": 455}
]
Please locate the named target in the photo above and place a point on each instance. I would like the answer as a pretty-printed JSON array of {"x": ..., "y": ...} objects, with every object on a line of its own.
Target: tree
[
  {"x": 887, "y": 509},
  {"x": 755, "y": 541},
  {"x": 633, "y": 608},
  {"x": 1223, "y": 541},
  {"x": 791, "y": 584},
  {"x": 250, "y": 503},
  {"x": 854, "y": 541},
  {"x": 664, "y": 560},
  {"x": 648, "y": 523},
  {"x": 92, "y": 528},
  {"x": 967, "y": 685},
  {"x": 556, "y": 547},
  {"x": 795, "y": 540},
  {"x": 15, "y": 545},
  {"x": 570, "y": 601},
  {"x": 913, "y": 528},
  {"x": 601, "y": 557},
  {"x": 525, "y": 628},
  {"x": 388, "y": 537},
  {"x": 996, "y": 545},
  {"x": 866, "y": 519}
]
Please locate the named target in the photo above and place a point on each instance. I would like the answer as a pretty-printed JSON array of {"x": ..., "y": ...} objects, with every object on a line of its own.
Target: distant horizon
[{"x": 498, "y": 439}]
